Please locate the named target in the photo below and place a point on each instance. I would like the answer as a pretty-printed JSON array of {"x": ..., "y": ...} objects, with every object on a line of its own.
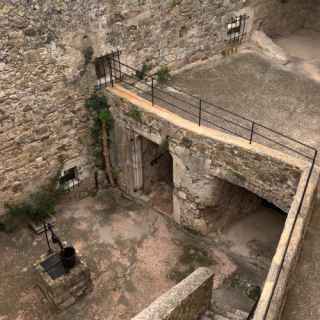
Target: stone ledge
[
  {"x": 185, "y": 301},
  {"x": 293, "y": 252}
]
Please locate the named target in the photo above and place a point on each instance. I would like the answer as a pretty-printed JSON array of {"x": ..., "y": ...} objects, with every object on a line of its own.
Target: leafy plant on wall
[{"x": 98, "y": 104}]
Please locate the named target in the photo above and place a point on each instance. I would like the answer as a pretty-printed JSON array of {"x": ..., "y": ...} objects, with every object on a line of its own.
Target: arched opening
[
  {"x": 247, "y": 229},
  {"x": 250, "y": 225}
]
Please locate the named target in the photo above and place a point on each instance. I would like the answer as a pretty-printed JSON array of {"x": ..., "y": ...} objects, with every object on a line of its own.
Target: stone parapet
[{"x": 186, "y": 301}]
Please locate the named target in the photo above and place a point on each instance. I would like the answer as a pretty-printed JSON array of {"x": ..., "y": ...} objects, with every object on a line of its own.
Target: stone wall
[
  {"x": 157, "y": 165},
  {"x": 186, "y": 301},
  {"x": 280, "y": 17},
  {"x": 205, "y": 162},
  {"x": 45, "y": 69},
  {"x": 313, "y": 21}
]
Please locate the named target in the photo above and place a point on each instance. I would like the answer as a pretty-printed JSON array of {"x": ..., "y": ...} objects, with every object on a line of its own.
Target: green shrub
[
  {"x": 135, "y": 114},
  {"x": 141, "y": 74},
  {"x": 163, "y": 75},
  {"x": 39, "y": 206},
  {"x": 9, "y": 224},
  {"x": 98, "y": 104}
]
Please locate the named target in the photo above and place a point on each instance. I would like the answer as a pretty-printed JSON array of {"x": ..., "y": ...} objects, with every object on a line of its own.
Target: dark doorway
[{"x": 157, "y": 176}]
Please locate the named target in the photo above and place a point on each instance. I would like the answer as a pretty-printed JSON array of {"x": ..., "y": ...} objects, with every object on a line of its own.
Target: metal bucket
[{"x": 68, "y": 257}]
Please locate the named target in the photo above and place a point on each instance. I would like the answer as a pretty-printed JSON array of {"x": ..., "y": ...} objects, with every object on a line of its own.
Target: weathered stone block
[
  {"x": 186, "y": 301},
  {"x": 66, "y": 289}
]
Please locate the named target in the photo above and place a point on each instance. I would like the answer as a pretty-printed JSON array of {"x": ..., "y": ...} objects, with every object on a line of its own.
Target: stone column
[
  {"x": 137, "y": 165},
  {"x": 128, "y": 155},
  {"x": 203, "y": 202}
]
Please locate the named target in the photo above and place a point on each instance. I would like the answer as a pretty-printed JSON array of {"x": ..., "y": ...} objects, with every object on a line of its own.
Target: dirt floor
[{"x": 135, "y": 254}]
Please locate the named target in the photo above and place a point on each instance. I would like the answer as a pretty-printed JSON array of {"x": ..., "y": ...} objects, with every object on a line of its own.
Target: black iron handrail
[
  {"x": 250, "y": 128},
  {"x": 116, "y": 66}
]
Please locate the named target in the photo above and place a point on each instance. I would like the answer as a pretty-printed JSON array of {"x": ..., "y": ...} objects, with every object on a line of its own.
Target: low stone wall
[
  {"x": 186, "y": 301},
  {"x": 294, "y": 249}
]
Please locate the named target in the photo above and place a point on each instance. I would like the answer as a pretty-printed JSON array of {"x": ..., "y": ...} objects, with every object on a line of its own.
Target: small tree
[{"x": 99, "y": 105}]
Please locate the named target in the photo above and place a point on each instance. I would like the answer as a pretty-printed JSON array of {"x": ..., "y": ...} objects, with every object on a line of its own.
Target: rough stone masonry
[
  {"x": 46, "y": 50},
  {"x": 207, "y": 170}
]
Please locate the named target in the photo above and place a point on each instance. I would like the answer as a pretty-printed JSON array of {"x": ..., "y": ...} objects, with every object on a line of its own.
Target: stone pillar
[
  {"x": 137, "y": 165},
  {"x": 128, "y": 158},
  {"x": 203, "y": 202},
  {"x": 193, "y": 192}
]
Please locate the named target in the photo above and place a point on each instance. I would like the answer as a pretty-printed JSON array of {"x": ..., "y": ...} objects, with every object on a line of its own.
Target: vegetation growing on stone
[
  {"x": 39, "y": 205},
  {"x": 163, "y": 74},
  {"x": 98, "y": 104},
  {"x": 141, "y": 74},
  {"x": 135, "y": 114},
  {"x": 87, "y": 53}
]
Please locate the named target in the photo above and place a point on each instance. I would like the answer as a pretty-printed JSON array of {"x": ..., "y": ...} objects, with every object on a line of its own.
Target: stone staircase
[{"x": 222, "y": 315}]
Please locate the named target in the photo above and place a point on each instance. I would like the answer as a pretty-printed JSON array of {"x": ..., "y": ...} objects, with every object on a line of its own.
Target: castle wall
[
  {"x": 313, "y": 21},
  {"x": 46, "y": 74}
]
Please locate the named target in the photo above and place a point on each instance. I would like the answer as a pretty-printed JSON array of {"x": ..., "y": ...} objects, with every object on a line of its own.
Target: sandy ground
[
  {"x": 265, "y": 225},
  {"x": 134, "y": 253}
]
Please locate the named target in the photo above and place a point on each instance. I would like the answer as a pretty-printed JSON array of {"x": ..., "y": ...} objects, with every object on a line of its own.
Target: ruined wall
[
  {"x": 45, "y": 69},
  {"x": 198, "y": 162}
]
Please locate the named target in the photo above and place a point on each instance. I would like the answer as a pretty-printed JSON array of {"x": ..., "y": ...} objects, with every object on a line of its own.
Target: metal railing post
[
  {"x": 200, "y": 111},
  {"x": 111, "y": 73},
  {"x": 119, "y": 63},
  {"x": 152, "y": 91},
  {"x": 252, "y": 131},
  {"x": 254, "y": 308}
]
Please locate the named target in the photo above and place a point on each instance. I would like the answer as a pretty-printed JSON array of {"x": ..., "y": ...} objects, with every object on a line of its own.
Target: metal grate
[
  {"x": 53, "y": 266},
  {"x": 69, "y": 179},
  {"x": 236, "y": 29}
]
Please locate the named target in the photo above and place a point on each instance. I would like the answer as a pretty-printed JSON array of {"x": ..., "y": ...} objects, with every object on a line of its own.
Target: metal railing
[{"x": 208, "y": 114}]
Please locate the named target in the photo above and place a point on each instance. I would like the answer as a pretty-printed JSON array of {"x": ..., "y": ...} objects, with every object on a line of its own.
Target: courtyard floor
[{"x": 135, "y": 254}]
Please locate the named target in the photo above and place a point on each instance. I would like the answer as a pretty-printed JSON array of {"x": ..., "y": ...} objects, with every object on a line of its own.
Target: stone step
[
  {"x": 219, "y": 317},
  {"x": 236, "y": 315}
]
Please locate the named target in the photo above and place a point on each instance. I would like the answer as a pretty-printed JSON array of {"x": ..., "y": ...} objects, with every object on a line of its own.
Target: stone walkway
[
  {"x": 248, "y": 84},
  {"x": 303, "y": 298}
]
